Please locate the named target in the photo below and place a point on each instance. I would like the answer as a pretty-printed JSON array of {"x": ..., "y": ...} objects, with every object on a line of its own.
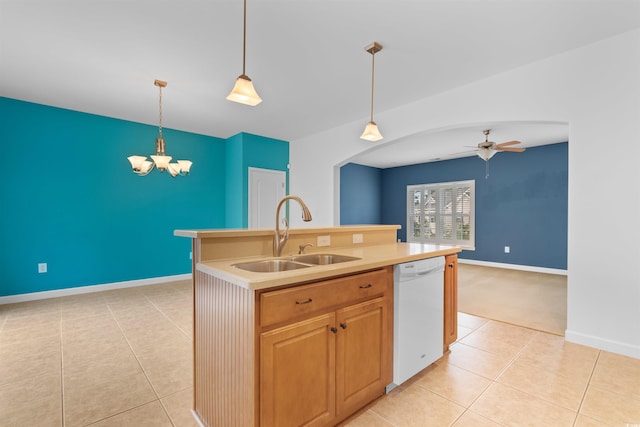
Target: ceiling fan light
[
  {"x": 244, "y": 92},
  {"x": 371, "y": 132},
  {"x": 485, "y": 153}
]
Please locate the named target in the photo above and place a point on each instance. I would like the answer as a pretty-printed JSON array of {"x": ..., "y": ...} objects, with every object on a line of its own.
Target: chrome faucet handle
[{"x": 302, "y": 248}]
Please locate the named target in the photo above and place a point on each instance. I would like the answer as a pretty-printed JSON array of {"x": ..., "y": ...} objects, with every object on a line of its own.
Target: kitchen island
[{"x": 308, "y": 346}]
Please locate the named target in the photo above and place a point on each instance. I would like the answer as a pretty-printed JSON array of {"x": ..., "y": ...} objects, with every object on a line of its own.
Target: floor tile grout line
[
  {"x": 120, "y": 413},
  {"x": 493, "y": 380},
  {"x": 523, "y": 391},
  {"x": 383, "y": 418},
  {"x": 516, "y": 356},
  {"x": 166, "y": 411},
  {"x": 167, "y": 317},
  {"x": 134, "y": 355},
  {"x": 586, "y": 389}
]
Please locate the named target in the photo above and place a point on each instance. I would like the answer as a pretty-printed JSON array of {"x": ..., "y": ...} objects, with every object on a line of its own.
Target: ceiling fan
[{"x": 488, "y": 149}]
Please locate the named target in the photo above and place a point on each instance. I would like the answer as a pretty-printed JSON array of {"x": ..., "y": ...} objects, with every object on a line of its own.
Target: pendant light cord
[
  {"x": 373, "y": 67},
  {"x": 244, "y": 37}
]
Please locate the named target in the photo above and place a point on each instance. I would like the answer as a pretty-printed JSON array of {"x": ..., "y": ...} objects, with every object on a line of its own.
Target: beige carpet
[{"x": 523, "y": 298}]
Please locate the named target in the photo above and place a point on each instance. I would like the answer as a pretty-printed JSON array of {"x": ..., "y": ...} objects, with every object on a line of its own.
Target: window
[{"x": 442, "y": 213}]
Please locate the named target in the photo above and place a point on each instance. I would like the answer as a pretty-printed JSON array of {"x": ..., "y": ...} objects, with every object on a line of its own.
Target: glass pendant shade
[
  {"x": 147, "y": 166},
  {"x": 485, "y": 153},
  {"x": 173, "y": 168},
  {"x": 140, "y": 165},
  {"x": 162, "y": 162},
  {"x": 185, "y": 166},
  {"x": 371, "y": 132},
  {"x": 244, "y": 92},
  {"x": 136, "y": 162}
]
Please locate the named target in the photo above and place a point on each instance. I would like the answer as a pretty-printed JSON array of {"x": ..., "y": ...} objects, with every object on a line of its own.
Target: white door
[{"x": 266, "y": 188}]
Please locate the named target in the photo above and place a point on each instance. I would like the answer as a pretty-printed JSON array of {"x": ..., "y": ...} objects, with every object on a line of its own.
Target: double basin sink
[{"x": 293, "y": 263}]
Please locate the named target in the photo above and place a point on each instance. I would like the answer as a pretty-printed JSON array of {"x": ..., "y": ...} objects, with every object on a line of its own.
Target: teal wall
[
  {"x": 235, "y": 183},
  {"x": 245, "y": 151},
  {"x": 69, "y": 197}
]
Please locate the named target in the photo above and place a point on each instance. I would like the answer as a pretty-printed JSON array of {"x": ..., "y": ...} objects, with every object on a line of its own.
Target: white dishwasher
[{"x": 418, "y": 317}]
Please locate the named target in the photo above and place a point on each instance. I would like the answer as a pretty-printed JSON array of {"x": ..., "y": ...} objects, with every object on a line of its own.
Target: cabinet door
[
  {"x": 297, "y": 374},
  {"x": 450, "y": 301},
  {"x": 364, "y": 353}
]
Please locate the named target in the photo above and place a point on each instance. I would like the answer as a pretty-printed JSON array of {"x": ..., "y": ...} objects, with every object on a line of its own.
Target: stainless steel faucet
[
  {"x": 303, "y": 247},
  {"x": 280, "y": 238}
]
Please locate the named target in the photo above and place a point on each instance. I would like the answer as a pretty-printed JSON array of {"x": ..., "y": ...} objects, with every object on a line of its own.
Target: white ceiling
[{"x": 306, "y": 58}]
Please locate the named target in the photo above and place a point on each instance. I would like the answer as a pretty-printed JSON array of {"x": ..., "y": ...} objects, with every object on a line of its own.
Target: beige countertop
[{"x": 374, "y": 256}]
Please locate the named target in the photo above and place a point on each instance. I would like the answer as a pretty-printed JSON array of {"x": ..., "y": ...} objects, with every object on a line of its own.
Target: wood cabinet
[
  {"x": 450, "y": 301},
  {"x": 297, "y": 382},
  {"x": 364, "y": 364},
  {"x": 325, "y": 349}
]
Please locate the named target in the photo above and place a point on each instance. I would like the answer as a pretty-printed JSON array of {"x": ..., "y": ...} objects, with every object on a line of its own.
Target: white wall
[{"x": 596, "y": 89}]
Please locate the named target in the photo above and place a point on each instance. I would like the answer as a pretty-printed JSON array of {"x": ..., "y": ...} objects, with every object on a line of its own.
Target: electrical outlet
[
  {"x": 42, "y": 267},
  {"x": 358, "y": 238},
  {"x": 323, "y": 241},
  {"x": 507, "y": 249}
]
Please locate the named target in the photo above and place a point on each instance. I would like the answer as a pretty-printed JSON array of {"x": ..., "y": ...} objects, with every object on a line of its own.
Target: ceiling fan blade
[
  {"x": 515, "y": 150},
  {"x": 506, "y": 144}
]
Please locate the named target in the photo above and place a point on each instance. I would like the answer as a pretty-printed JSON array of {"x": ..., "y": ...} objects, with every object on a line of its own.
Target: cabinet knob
[
  {"x": 304, "y": 302},
  {"x": 451, "y": 265},
  {"x": 367, "y": 286},
  {"x": 334, "y": 329},
  {"x": 343, "y": 325}
]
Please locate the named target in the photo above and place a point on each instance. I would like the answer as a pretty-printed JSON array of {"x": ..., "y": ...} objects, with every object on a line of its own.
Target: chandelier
[{"x": 142, "y": 166}]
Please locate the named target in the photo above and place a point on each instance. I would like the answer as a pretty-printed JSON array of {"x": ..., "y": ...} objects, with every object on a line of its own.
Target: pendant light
[
  {"x": 243, "y": 91},
  {"x": 142, "y": 166},
  {"x": 371, "y": 132}
]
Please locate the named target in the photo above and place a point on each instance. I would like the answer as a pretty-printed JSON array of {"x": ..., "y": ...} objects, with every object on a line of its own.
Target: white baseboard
[
  {"x": 514, "y": 266},
  {"x": 197, "y": 418},
  {"x": 10, "y": 299},
  {"x": 603, "y": 343}
]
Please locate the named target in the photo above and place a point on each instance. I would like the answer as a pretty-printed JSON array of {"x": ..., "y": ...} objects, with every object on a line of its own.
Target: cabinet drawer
[{"x": 292, "y": 303}]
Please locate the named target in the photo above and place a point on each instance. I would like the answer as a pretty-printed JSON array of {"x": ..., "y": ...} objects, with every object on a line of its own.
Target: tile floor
[
  {"x": 123, "y": 358},
  {"x": 115, "y": 358}
]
